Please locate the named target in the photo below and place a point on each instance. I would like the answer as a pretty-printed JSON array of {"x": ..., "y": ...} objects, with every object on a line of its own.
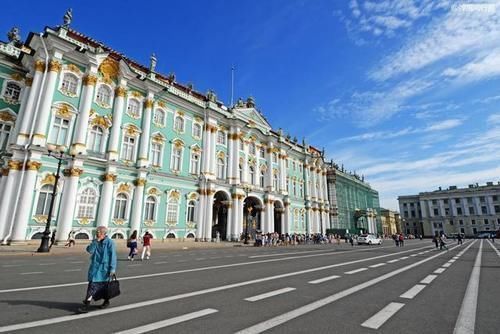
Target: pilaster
[
  {"x": 118, "y": 110},
  {"x": 137, "y": 203},
  {"x": 27, "y": 121},
  {"x": 106, "y": 199},
  {"x": 146, "y": 132},
  {"x": 82, "y": 123},
  {"x": 68, "y": 201}
]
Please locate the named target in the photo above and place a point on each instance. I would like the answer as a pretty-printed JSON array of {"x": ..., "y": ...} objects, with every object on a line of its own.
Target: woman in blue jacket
[{"x": 102, "y": 267}]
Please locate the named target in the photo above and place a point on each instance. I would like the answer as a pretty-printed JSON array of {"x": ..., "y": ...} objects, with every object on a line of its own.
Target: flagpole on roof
[{"x": 232, "y": 85}]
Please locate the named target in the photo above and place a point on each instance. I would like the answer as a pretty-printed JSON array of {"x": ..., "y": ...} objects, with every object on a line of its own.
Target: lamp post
[
  {"x": 59, "y": 155},
  {"x": 247, "y": 188}
]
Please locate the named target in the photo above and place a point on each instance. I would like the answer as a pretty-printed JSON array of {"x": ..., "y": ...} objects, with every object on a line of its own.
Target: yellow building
[{"x": 390, "y": 222}]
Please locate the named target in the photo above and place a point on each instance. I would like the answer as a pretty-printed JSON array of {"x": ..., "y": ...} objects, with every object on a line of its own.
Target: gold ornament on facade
[
  {"x": 178, "y": 143},
  {"x": 63, "y": 111},
  {"x": 121, "y": 91},
  {"x": 28, "y": 81},
  {"x": 15, "y": 165},
  {"x": 119, "y": 222},
  {"x": 16, "y": 76},
  {"x": 39, "y": 66},
  {"x": 136, "y": 94},
  {"x": 107, "y": 80},
  {"x": 101, "y": 121},
  {"x": 90, "y": 80},
  {"x": 158, "y": 138},
  {"x": 71, "y": 172},
  {"x": 124, "y": 188},
  {"x": 221, "y": 155},
  {"x": 149, "y": 223},
  {"x": 132, "y": 130},
  {"x": 54, "y": 66},
  {"x": 84, "y": 221},
  {"x": 154, "y": 192},
  {"x": 175, "y": 194},
  {"x": 162, "y": 104},
  {"x": 7, "y": 117},
  {"x": 33, "y": 165},
  {"x": 193, "y": 196},
  {"x": 148, "y": 104},
  {"x": 180, "y": 113},
  {"x": 109, "y": 177},
  {"x": 140, "y": 182},
  {"x": 196, "y": 149},
  {"x": 109, "y": 68},
  {"x": 40, "y": 219},
  {"x": 73, "y": 68}
]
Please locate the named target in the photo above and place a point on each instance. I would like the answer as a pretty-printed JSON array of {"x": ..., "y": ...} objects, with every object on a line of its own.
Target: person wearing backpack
[{"x": 132, "y": 244}]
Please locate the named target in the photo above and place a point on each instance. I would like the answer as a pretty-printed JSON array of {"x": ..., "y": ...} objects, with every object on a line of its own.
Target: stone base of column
[
  {"x": 113, "y": 156},
  {"x": 39, "y": 140},
  {"x": 17, "y": 242}
]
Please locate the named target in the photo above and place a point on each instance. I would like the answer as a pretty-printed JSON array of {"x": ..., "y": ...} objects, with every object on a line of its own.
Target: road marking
[
  {"x": 446, "y": 265},
  {"x": 392, "y": 261},
  {"x": 168, "y": 322},
  {"x": 72, "y": 270},
  {"x": 439, "y": 270},
  {"x": 455, "y": 258},
  {"x": 269, "y": 294},
  {"x": 428, "y": 279},
  {"x": 239, "y": 264},
  {"x": 134, "y": 265},
  {"x": 316, "y": 251},
  {"x": 405, "y": 257},
  {"x": 451, "y": 261},
  {"x": 200, "y": 259},
  {"x": 283, "y": 318},
  {"x": 324, "y": 279},
  {"x": 382, "y": 316},
  {"x": 161, "y": 262},
  {"x": 410, "y": 294},
  {"x": 355, "y": 271},
  {"x": 466, "y": 320},
  {"x": 47, "y": 264},
  {"x": 32, "y": 273},
  {"x": 377, "y": 265},
  {"x": 77, "y": 262},
  {"x": 11, "y": 265},
  {"x": 493, "y": 246},
  {"x": 413, "y": 255}
]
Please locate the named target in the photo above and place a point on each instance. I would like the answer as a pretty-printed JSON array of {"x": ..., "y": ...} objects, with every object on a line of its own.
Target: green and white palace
[{"x": 141, "y": 151}]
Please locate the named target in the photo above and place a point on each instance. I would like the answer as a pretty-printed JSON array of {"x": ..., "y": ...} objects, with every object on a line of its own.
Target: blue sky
[{"x": 405, "y": 92}]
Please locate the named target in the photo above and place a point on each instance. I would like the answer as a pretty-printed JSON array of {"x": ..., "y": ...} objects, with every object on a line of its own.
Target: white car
[{"x": 369, "y": 239}]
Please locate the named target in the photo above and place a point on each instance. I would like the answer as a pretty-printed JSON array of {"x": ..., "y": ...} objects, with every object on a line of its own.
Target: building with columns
[
  {"x": 454, "y": 210},
  {"x": 142, "y": 151},
  {"x": 391, "y": 222},
  {"x": 354, "y": 204}
]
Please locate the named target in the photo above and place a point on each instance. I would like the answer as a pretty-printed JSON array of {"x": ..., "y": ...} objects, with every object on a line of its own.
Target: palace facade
[{"x": 140, "y": 151}]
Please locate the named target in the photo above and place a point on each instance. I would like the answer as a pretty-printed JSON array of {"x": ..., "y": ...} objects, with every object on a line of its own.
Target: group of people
[
  {"x": 399, "y": 239},
  {"x": 132, "y": 244},
  {"x": 440, "y": 241},
  {"x": 286, "y": 239}
]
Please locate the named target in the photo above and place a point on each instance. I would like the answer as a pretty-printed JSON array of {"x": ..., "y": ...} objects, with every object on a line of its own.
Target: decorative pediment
[{"x": 253, "y": 118}]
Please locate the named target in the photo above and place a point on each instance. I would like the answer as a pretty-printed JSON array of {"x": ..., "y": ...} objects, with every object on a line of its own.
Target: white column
[
  {"x": 146, "y": 132},
  {"x": 236, "y": 156},
  {"x": 235, "y": 230},
  {"x": 283, "y": 171},
  {"x": 200, "y": 226},
  {"x": 231, "y": 156},
  {"x": 42, "y": 120},
  {"x": 209, "y": 216},
  {"x": 213, "y": 156},
  {"x": 82, "y": 122},
  {"x": 29, "y": 112},
  {"x": 135, "y": 219},
  {"x": 307, "y": 190},
  {"x": 207, "y": 151},
  {"x": 246, "y": 170},
  {"x": 5, "y": 201},
  {"x": 287, "y": 219},
  {"x": 68, "y": 203},
  {"x": 269, "y": 173},
  {"x": 22, "y": 111},
  {"x": 284, "y": 227},
  {"x": 106, "y": 198},
  {"x": 309, "y": 220},
  {"x": 229, "y": 230},
  {"x": 266, "y": 221},
  {"x": 23, "y": 211},
  {"x": 118, "y": 110}
]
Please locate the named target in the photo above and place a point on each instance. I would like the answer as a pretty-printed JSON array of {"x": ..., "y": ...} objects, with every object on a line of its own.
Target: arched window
[
  {"x": 262, "y": 152},
  {"x": 221, "y": 137},
  {"x": 196, "y": 130},
  {"x": 150, "y": 209},
  {"x": 172, "y": 210},
  {"x": 176, "y": 158},
  {"x": 240, "y": 170},
  {"x": 69, "y": 83},
  {"x": 251, "y": 148},
  {"x": 4, "y": 135},
  {"x": 221, "y": 168},
  {"x": 159, "y": 117},
  {"x": 195, "y": 163},
  {"x": 87, "y": 203},
  {"x": 128, "y": 148},
  {"x": 59, "y": 131},
  {"x": 262, "y": 178},
  {"x": 95, "y": 139},
  {"x": 287, "y": 184},
  {"x": 44, "y": 200},
  {"x": 294, "y": 184},
  {"x": 133, "y": 108},
  {"x": 275, "y": 157},
  {"x": 156, "y": 150},
  {"x": 242, "y": 145},
  {"x": 104, "y": 95},
  {"x": 190, "y": 211},
  {"x": 179, "y": 124},
  {"x": 252, "y": 175},
  {"x": 301, "y": 189},
  {"x": 12, "y": 92},
  {"x": 120, "y": 206},
  {"x": 275, "y": 182}
]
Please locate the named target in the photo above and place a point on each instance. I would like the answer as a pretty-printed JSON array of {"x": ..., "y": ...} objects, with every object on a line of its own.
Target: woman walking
[{"x": 132, "y": 244}]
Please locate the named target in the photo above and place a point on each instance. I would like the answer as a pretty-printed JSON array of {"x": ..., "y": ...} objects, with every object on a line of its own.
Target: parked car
[
  {"x": 369, "y": 239},
  {"x": 485, "y": 235}
]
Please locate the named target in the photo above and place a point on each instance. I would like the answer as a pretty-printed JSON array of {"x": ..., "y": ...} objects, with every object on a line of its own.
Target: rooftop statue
[
  {"x": 68, "y": 17},
  {"x": 240, "y": 103},
  {"x": 171, "y": 77},
  {"x": 152, "y": 64},
  {"x": 13, "y": 35},
  {"x": 211, "y": 96},
  {"x": 250, "y": 102}
]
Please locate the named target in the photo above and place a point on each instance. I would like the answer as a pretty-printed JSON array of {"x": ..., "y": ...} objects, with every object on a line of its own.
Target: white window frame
[
  {"x": 139, "y": 108},
  {"x": 173, "y": 158},
  {"x": 262, "y": 178},
  {"x": 192, "y": 168},
  {"x": 127, "y": 143},
  {"x": 66, "y": 91},
  {"x": 7, "y": 96},
  {"x": 47, "y": 200},
  {"x": 91, "y": 145},
  {"x": 156, "y": 153},
  {"x": 172, "y": 203},
  {"x": 151, "y": 201},
  {"x": 67, "y": 138},
  {"x": 176, "y": 124},
  {"x": 99, "y": 99},
  {"x": 87, "y": 207},
  {"x": 275, "y": 181},
  {"x": 125, "y": 210},
  {"x": 197, "y": 125},
  {"x": 191, "y": 206},
  {"x": 251, "y": 174},
  {"x": 221, "y": 138},
  {"x": 252, "y": 149},
  {"x": 5, "y": 134},
  {"x": 155, "y": 117},
  {"x": 221, "y": 168}
]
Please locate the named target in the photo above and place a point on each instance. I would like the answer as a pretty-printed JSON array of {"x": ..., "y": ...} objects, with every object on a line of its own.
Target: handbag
[
  {"x": 129, "y": 243},
  {"x": 112, "y": 288}
]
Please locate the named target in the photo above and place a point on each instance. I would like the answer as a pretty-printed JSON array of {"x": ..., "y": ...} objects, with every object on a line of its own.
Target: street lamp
[
  {"x": 56, "y": 152},
  {"x": 247, "y": 188}
]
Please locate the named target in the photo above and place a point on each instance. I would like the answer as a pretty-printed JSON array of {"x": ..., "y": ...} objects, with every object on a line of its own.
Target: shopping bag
[{"x": 113, "y": 288}]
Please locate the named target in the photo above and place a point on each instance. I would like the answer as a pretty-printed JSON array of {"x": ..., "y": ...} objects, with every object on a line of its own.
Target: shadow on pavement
[{"x": 72, "y": 307}]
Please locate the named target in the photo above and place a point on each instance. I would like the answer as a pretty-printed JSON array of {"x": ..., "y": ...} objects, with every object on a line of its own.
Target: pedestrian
[
  {"x": 436, "y": 240},
  {"x": 442, "y": 242},
  {"x": 493, "y": 235},
  {"x": 71, "y": 239},
  {"x": 396, "y": 240},
  {"x": 401, "y": 240},
  {"x": 459, "y": 238},
  {"x": 351, "y": 241},
  {"x": 146, "y": 245},
  {"x": 52, "y": 239},
  {"x": 102, "y": 268},
  {"x": 132, "y": 244}
]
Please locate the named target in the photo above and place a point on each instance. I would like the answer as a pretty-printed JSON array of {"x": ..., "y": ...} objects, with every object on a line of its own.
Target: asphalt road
[{"x": 314, "y": 288}]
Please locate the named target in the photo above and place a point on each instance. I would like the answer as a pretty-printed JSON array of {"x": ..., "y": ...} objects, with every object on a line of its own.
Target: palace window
[
  {"x": 194, "y": 167},
  {"x": 221, "y": 168},
  {"x": 221, "y": 138},
  {"x": 128, "y": 148},
  {"x": 104, "y": 95},
  {"x": 172, "y": 210},
  {"x": 133, "y": 108},
  {"x": 179, "y": 124},
  {"x": 156, "y": 150},
  {"x": 252, "y": 175},
  {"x": 150, "y": 208},
  {"x": 294, "y": 185},
  {"x": 176, "y": 158},
  {"x": 240, "y": 170},
  {"x": 275, "y": 157},
  {"x": 59, "y": 133},
  {"x": 12, "y": 92},
  {"x": 69, "y": 83},
  {"x": 87, "y": 203},
  {"x": 120, "y": 206},
  {"x": 4, "y": 135},
  {"x": 275, "y": 182},
  {"x": 287, "y": 184},
  {"x": 196, "y": 130},
  {"x": 95, "y": 142},
  {"x": 242, "y": 145},
  {"x": 262, "y": 152},
  {"x": 159, "y": 117},
  {"x": 262, "y": 178},
  {"x": 191, "y": 211},
  {"x": 301, "y": 189},
  {"x": 251, "y": 148},
  {"x": 44, "y": 200}
]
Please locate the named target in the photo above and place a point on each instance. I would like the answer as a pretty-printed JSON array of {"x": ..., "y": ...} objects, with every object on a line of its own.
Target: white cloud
[
  {"x": 444, "y": 125},
  {"x": 494, "y": 119},
  {"x": 478, "y": 69}
]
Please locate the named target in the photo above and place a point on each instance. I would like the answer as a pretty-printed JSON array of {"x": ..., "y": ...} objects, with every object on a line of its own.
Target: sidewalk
[{"x": 30, "y": 248}]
